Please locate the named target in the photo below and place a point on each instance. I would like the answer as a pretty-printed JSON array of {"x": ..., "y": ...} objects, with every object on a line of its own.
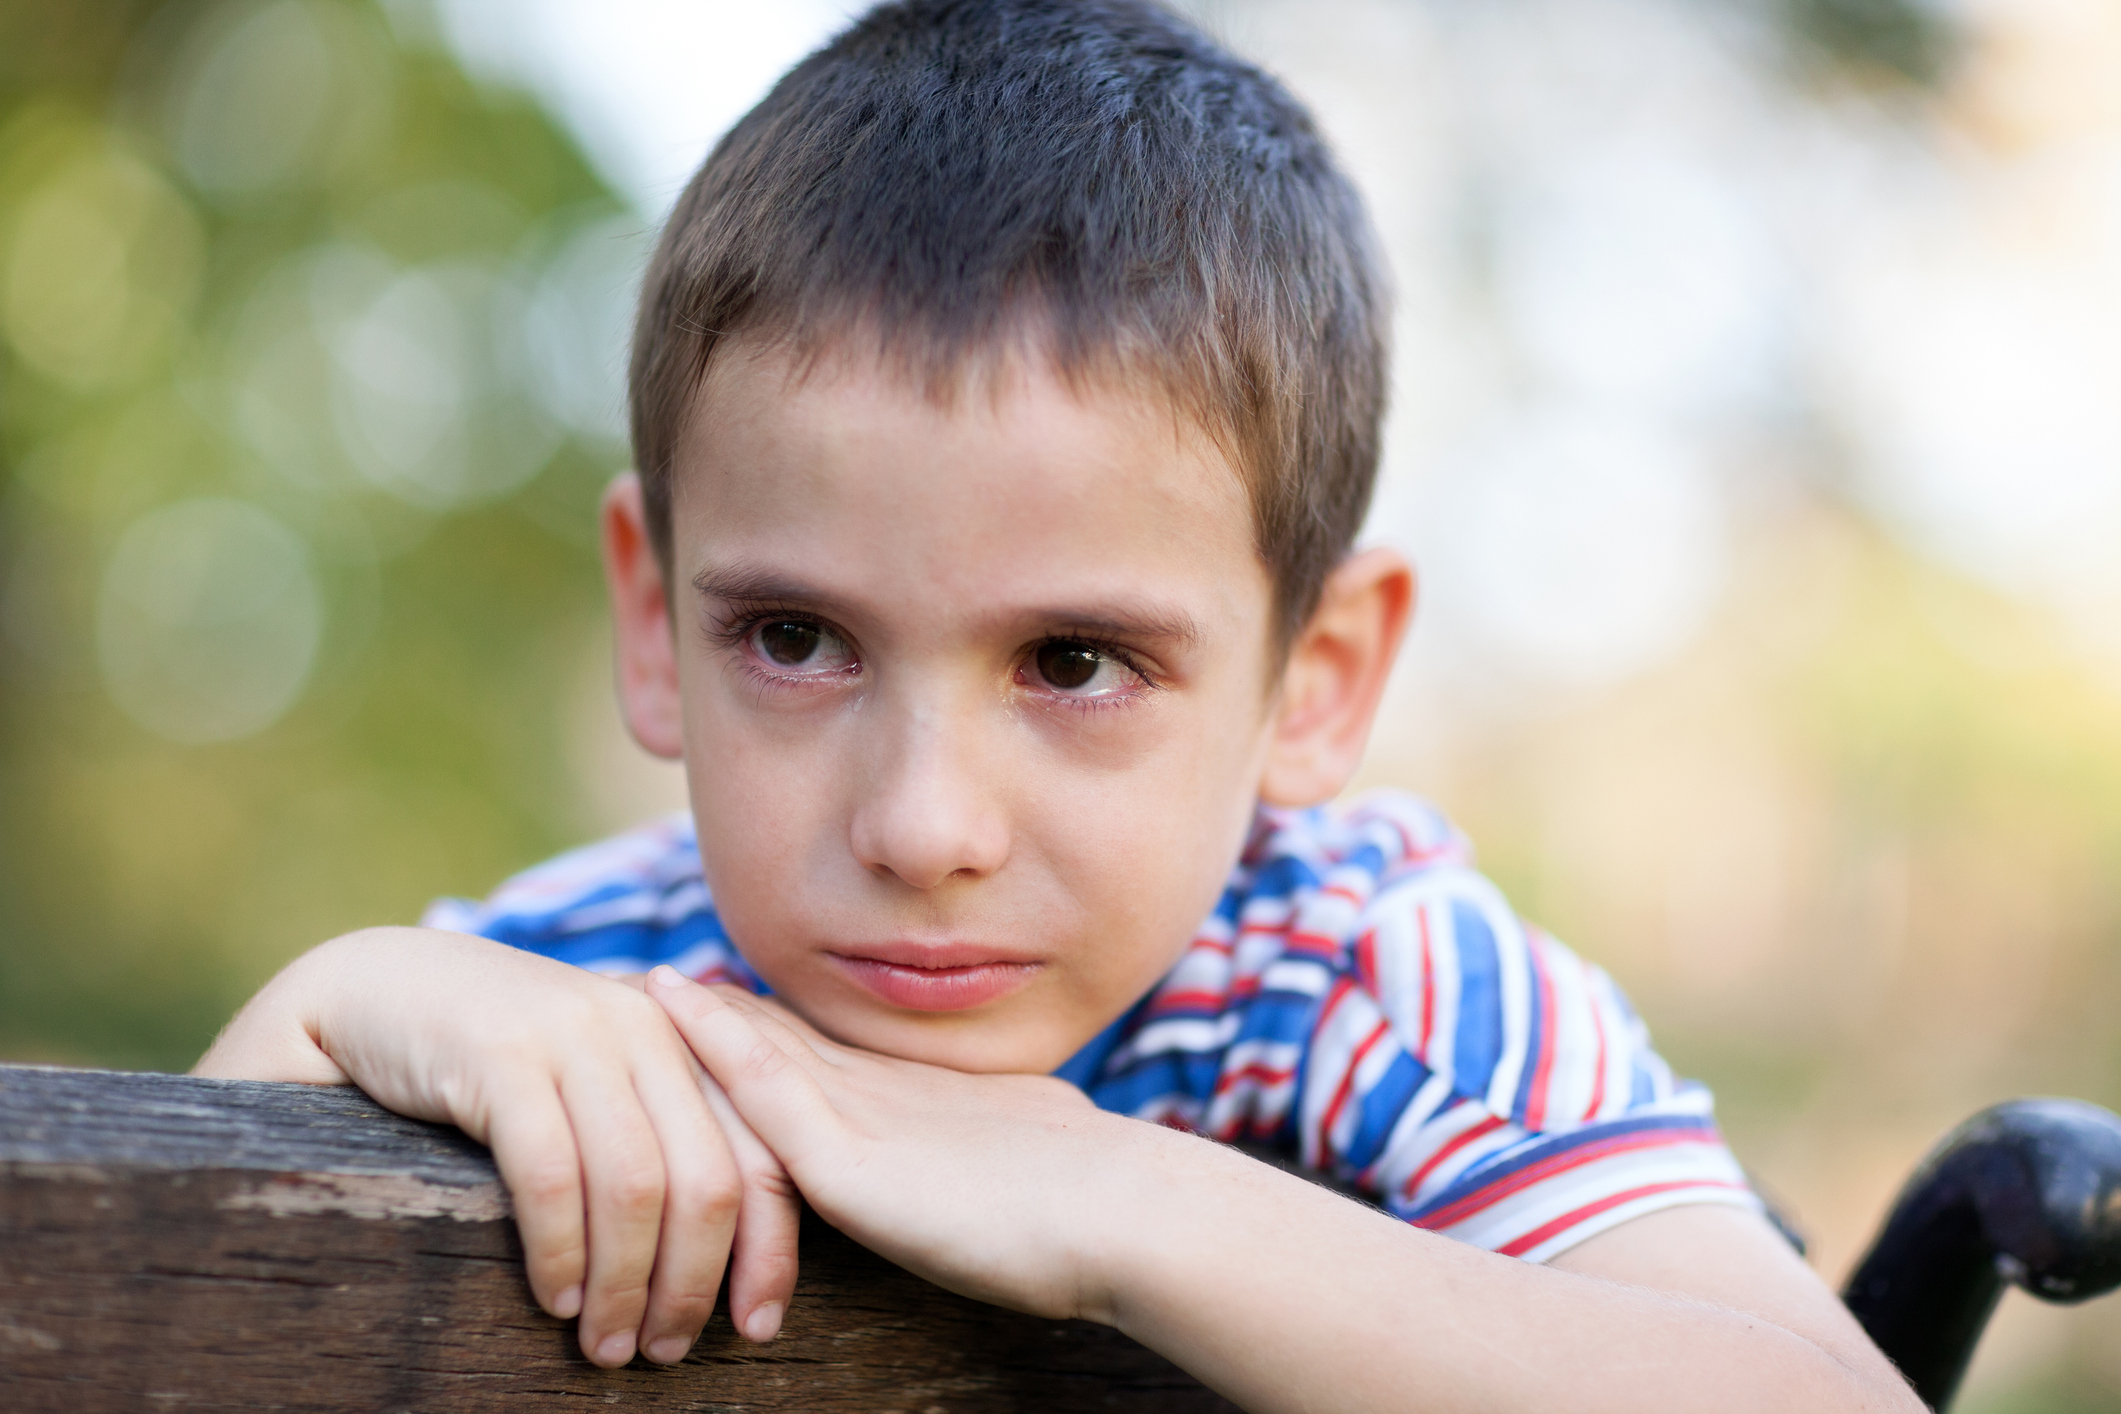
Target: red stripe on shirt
[
  {"x": 1535, "y": 1110},
  {"x": 1412, "y": 853},
  {"x": 1520, "y": 1179},
  {"x": 1173, "y": 1001},
  {"x": 1519, "y": 1246},
  {"x": 1343, "y": 891},
  {"x": 1266, "y": 1075},
  {"x": 1334, "y": 998},
  {"x": 1590, "y": 988},
  {"x": 1347, "y": 1082},
  {"x": 1313, "y": 943},
  {"x": 1458, "y": 1141},
  {"x": 1366, "y": 956},
  {"x": 1428, "y": 988}
]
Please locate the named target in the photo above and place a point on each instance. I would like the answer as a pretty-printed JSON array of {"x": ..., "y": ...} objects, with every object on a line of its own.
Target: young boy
[{"x": 1005, "y": 398}]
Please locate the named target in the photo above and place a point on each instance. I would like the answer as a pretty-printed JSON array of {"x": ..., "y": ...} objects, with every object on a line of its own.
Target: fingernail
[
  {"x": 616, "y": 1349},
  {"x": 764, "y": 1323},
  {"x": 669, "y": 1350},
  {"x": 664, "y": 975},
  {"x": 568, "y": 1304}
]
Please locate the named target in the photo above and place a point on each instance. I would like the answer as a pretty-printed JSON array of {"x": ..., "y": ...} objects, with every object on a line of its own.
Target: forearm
[
  {"x": 1287, "y": 1297},
  {"x": 276, "y": 1035},
  {"x": 393, "y": 1011},
  {"x": 382, "y": 1008}
]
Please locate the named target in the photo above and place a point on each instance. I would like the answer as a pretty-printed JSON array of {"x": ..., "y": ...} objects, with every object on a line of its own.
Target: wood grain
[{"x": 168, "y": 1243}]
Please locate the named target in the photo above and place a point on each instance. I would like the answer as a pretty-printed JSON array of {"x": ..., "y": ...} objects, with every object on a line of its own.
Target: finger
[
  {"x": 762, "y": 1264},
  {"x": 700, "y": 1208},
  {"x": 762, "y": 1068},
  {"x": 622, "y": 1167},
  {"x": 534, "y": 1148},
  {"x": 803, "y": 1043},
  {"x": 771, "y": 1009}
]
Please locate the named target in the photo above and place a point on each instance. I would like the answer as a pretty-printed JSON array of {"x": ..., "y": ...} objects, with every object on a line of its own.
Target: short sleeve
[
  {"x": 1486, "y": 1083},
  {"x": 622, "y": 905}
]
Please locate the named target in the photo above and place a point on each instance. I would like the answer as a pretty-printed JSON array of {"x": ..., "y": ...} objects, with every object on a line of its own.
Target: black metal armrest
[{"x": 2028, "y": 1192}]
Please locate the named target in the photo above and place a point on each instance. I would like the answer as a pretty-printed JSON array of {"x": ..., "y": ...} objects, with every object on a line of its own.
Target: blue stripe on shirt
[{"x": 1478, "y": 1046}]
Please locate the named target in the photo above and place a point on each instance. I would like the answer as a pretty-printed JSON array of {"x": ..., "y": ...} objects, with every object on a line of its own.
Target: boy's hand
[
  {"x": 633, "y": 1179},
  {"x": 1275, "y": 1292},
  {"x": 989, "y": 1185}
]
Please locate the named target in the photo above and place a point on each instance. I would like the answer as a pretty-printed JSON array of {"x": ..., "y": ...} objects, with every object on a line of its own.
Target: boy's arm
[
  {"x": 1697, "y": 1308},
  {"x": 1282, "y": 1295},
  {"x": 634, "y": 1182}
]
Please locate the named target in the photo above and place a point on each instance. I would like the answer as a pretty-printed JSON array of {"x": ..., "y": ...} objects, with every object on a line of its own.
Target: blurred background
[{"x": 1757, "y": 432}]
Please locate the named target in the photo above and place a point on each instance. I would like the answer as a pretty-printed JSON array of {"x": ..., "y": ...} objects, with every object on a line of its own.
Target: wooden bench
[
  {"x": 177, "y": 1244},
  {"x": 168, "y": 1243}
]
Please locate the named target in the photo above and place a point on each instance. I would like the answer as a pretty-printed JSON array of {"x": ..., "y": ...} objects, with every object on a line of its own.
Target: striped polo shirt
[{"x": 1360, "y": 998}]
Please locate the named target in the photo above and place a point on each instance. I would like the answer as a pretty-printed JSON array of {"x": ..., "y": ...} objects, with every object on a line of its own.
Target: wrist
[
  {"x": 1194, "y": 1221},
  {"x": 1142, "y": 1212}
]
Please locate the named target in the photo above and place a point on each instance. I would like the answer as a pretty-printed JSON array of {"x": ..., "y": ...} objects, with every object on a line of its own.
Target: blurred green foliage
[
  {"x": 305, "y": 400},
  {"x": 1898, "y": 39}
]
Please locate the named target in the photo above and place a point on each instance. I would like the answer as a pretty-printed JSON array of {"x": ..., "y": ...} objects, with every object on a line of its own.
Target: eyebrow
[
  {"x": 742, "y": 585},
  {"x": 755, "y": 586}
]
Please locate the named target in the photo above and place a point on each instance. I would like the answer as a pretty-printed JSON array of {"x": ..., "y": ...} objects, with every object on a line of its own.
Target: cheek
[
  {"x": 761, "y": 803},
  {"x": 1148, "y": 851}
]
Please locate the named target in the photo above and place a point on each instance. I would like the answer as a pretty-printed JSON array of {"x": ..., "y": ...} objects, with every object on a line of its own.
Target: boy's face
[{"x": 975, "y": 698}]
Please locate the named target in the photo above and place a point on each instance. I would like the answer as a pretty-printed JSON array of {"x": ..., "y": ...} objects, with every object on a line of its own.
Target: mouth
[{"x": 948, "y": 978}]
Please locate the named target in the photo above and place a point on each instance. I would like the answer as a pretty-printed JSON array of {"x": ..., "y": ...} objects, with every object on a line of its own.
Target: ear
[
  {"x": 1335, "y": 677},
  {"x": 645, "y": 648}
]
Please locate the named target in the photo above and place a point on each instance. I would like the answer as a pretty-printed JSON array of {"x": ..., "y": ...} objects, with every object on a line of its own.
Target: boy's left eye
[{"x": 1080, "y": 669}]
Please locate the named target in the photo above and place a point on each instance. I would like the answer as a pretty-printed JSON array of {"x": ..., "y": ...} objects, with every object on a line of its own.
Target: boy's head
[
  {"x": 1005, "y": 399},
  {"x": 951, "y": 177}
]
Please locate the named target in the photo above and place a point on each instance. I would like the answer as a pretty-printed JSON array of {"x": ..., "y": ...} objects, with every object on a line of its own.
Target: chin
[{"x": 979, "y": 1046}]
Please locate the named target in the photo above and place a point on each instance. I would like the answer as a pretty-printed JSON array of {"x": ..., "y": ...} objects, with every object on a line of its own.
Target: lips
[{"x": 947, "y": 977}]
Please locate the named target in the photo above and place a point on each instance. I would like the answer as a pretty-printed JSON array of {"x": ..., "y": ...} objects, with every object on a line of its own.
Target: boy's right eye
[
  {"x": 788, "y": 643},
  {"x": 800, "y": 646}
]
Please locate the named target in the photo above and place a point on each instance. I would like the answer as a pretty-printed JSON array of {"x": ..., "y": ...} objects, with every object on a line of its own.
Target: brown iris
[
  {"x": 1067, "y": 665},
  {"x": 788, "y": 642}
]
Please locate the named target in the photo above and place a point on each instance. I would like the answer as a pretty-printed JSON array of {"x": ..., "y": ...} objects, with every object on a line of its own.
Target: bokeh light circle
[{"x": 209, "y": 620}]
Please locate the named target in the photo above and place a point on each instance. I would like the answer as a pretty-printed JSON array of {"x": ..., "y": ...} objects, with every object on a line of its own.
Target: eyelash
[
  {"x": 730, "y": 634},
  {"x": 1117, "y": 654},
  {"x": 733, "y": 632}
]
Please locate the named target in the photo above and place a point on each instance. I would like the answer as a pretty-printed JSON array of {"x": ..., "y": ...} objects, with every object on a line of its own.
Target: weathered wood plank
[{"x": 176, "y": 1244}]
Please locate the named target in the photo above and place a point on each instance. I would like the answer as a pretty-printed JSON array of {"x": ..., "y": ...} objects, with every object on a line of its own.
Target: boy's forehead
[
  {"x": 1011, "y": 393},
  {"x": 1014, "y": 481}
]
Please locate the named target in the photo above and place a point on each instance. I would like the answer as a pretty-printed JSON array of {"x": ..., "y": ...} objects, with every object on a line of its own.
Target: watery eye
[
  {"x": 802, "y": 648},
  {"x": 788, "y": 642},
  {"x": 1068, "y": 665}
]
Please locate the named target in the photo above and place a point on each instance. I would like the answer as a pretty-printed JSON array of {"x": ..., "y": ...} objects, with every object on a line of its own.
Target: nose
[{"x": 929, "y": 811}]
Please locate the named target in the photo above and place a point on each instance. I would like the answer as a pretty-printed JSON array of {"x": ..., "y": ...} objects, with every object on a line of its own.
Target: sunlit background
[{"x": 1758, "y": 434}]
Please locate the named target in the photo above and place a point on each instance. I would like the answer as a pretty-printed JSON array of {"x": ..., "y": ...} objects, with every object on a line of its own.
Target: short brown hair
[{"x": 946, "y": 170}]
